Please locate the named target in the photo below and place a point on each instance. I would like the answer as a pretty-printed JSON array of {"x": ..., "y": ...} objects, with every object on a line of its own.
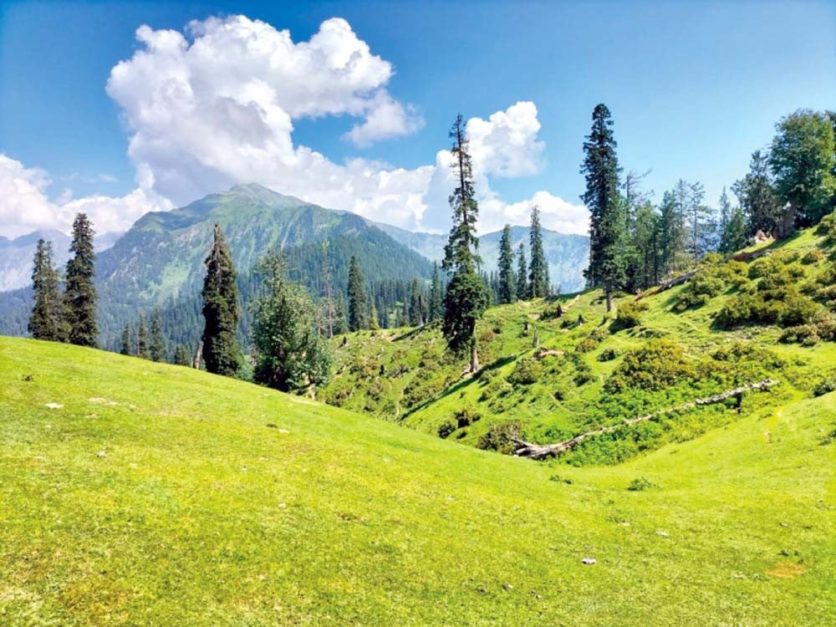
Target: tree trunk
[
  {"x": 474, "y": 357},
  {"x": 609, "y": 300},
  {"x": 198, "y": 355}
]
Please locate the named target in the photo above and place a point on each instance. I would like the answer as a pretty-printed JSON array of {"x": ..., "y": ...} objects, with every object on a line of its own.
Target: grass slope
[
  {"x": 158, "y": 494},
  {"x": 549, "y": 375}
]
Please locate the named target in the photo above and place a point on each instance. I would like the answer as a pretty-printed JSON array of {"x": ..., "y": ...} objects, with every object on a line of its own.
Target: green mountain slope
[
  {"x": 567, "y": 255},
  {"x": 159, "y": 261},
  {"x": 140, "y": 493},
  {"x": 549, "y": 377}
]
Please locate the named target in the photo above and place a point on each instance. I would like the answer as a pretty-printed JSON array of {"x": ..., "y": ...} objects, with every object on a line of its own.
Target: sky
[{"x": 117, "y": 109}]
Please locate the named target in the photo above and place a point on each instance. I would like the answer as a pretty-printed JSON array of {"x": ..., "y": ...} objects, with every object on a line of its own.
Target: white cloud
[
  {"x": 26, "y": 207},
  {"x": 506, "y": 144},
  {"x": 216, "y": 106}
]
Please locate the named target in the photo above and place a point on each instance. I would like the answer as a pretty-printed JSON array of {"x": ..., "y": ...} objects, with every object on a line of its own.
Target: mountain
[
  {"x": 568, "y": 255},
  {"x": 158, "y": 262},
  {"x": 140, "y": 493},
  {"x": 16, "y": 255}
]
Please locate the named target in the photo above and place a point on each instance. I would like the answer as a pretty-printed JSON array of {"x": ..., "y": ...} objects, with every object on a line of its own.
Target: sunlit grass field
[{"x": 140, "y": 493}]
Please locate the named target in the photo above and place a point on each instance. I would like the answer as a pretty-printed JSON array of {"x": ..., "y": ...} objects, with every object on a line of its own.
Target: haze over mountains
[{"x": 159, "y": 261}]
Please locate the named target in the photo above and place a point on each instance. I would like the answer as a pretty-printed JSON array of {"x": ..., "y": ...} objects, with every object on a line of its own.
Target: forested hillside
[{"x": 553, "y": 369}]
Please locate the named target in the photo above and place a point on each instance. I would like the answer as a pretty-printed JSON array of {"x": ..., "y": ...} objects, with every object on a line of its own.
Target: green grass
[
  {"x": 405, "y": 375},
  {"x": 160, "y": 495}
]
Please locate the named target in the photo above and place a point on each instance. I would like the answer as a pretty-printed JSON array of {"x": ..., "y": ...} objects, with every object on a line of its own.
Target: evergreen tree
[
  {"x": 80, "y": 292},
  {"x": 672, "y": 235},
  {"x": 125, "y": 347},
  {"x": 356, "y": 297},
  {"x": 416, "y": 305},
  {"x": 757, "y": 197},
  {"x": 802, "y": 159},
  {"x": 290, "y": 354},
  {"x": 606, "y": 231},
  {"x": 734, "y": 237},
  {"x": 157, "y": 345},
  {"x": 436, "y": 296},
  {"x": 182, "y": 356},
  {"x": 374, "y": 318},
  {"x": 45, "y": 322},
  {"x": 646, "y": 243},
  {"x": 221, "y": 353},
  {"x": 698, "y": 218},
  {"x": 465, "y": 300},
  {"x": 538, "y": 269},
  {"x": 341, "y": 317},
  {"x": 142, "y": 338},
  {"x": 507, "y": 283},
  {"x": 522, "y": 274},
  {"x": 725, "y": 211}
]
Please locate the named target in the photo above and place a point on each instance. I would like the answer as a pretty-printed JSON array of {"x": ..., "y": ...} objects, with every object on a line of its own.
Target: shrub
[
  {"x": 499, "y": 437},
  {"x": 826, "y": 386},
  {"x": 590, "y": 342},
  {"x": 628, "y": 315},
  {"x": 640, "y": 483},
  {"x": 608, "y": 354},
  {"x": 659, "y": 364},
  {"x": 813, "y": 256},
  {"x": 705, "y": 285},
  {"x": 526, "y": 371},
  {"x": 552, "y": 313},
  {"x": 445, "y": 429},
  {"x": 783, "y": 305},
  {"x": 466, "y": 417}
]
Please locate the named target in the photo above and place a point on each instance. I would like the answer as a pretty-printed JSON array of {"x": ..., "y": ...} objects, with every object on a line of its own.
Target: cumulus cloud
[
  {"x": 216, "y": 105},
  {"x": 26, "y": 207}
]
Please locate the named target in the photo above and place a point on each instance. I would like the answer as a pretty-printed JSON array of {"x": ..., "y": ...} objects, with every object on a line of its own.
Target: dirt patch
[{"x": 786, "y": 570}]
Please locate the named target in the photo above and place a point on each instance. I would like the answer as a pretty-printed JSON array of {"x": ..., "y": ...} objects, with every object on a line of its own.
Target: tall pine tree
[
  {"x": 45, "y": 323},
  {"x": 606, "y": 230},
  {"x": 466, "y": 297},
  {"x": 142, "y": 338},
  {"x": 80, "y": 292},
  {"x": 125, "y": 347},
  {"x": 436, "y": 296},
  {"x": 221, "y": 352},
  {"x": 507, "y": 281},
  {"x": 356, "y": 297},
  {"x": 757, "y": 197},
  {"x": 157, "y": 345},
  {"x": 538, "y": 269},
  {"x": 522, "y": 274}
]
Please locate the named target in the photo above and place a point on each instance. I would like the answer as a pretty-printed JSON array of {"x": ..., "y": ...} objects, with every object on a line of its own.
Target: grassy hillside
[
  {"x": 134, "y": 492},
  {"x": 555, "y": 369}
]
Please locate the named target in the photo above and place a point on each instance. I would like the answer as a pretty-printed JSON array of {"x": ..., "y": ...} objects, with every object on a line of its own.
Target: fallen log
[{"x": 543, "y": 451}]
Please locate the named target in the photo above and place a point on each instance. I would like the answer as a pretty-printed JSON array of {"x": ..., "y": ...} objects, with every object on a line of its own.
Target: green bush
[
  {"x": 466, "y": 417},
  {"x": 640, "y": 483},
  {"x": 813, "y": 256},
  {"x": 500, "y": 436},
  {"x": 782, "y": 305},
  {"x": 445, "y": 429},
  {"x": 629, "y": 315},
  {"x": 608, "y": 354},
  {"x": 526, "y": 371},
  {"x": 661, "y": 363},
  {"x": 826, "y": 386}
]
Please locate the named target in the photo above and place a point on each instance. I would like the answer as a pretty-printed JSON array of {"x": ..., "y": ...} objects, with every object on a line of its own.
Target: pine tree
[
  {"x": 465, "y": 300},
  {"x": 142, "y": 338},
  {"x": 182, "y": 356},
  {"x": 725, "y": 211},
  {"x": 45, "y": 323},
  {"x": 507, "y": 284},
  {"x": 290, "y": 354},
  {"x": 80, "y": 292},
  {"x": 436, "y": 296},
  {"x": 672, "y": 236},
  {"x": 157, "y": 345},
  {"x": 416, "y": 304},
  {"x": 646, "y": 242},
  {"x": 606, "y": 231},
  {"x": 522, "y": 274},
  {"x": 356, "y": 297},
  {"x": 697, "y": 216},
  {"x": 757, "y": 197},
  {"x": 221, "y": 353},
  {"x": 734, "y": 235},
  {"x": 125, "y": 347},
  {"x": 374, "y": 319},
  {"x": 538, "y": 269}
]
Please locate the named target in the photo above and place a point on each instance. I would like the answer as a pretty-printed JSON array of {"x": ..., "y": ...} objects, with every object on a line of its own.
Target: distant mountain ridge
[
  {"x": 158, "y": 262},
  {"x": 567, "y": 254},
  {"x": 16, "y": 254}
]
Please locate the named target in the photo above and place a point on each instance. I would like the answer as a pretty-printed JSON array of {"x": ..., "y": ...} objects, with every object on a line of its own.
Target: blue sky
[{"x": 694, "y": 87}]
